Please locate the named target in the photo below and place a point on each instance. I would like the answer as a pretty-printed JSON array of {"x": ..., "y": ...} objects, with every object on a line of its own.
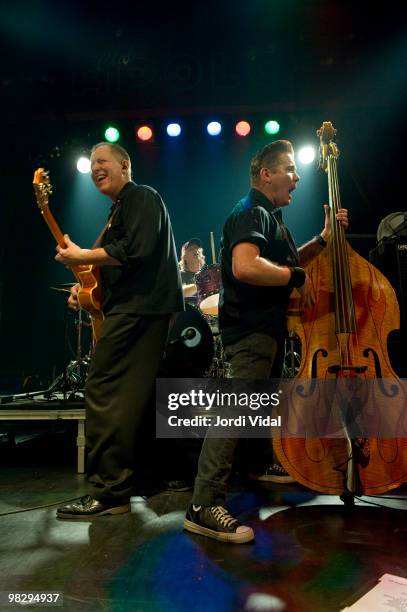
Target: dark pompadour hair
[{"x": 267, "y": 157}]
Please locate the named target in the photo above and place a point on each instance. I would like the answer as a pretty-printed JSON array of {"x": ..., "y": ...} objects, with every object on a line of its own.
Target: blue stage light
[{"x": 173, "y": 129}]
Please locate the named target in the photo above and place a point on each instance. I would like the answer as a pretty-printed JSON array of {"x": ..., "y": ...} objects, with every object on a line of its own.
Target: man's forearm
[
  {"x": 262, "y": 273},
  {"x": 98, "y": 257}
]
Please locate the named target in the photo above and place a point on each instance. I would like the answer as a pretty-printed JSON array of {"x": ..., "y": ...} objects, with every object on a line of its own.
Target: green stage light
[
  {"x": 272, "y": 127},
  {"x": 112, "y": 134}
]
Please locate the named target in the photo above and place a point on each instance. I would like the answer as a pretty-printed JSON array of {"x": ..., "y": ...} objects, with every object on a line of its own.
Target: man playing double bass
[{"x": 260, "y": 266}]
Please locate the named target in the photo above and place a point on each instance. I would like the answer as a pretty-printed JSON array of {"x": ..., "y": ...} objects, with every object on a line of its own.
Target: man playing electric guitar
[{"x": 141, "y": 287}]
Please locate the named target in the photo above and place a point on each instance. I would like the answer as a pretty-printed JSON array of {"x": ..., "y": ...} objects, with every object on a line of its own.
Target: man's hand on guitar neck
[{"x": 73, "y": 255}]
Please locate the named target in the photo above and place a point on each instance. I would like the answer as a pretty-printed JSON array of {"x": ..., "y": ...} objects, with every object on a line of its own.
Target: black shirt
[
  {"x": 139, "y": 235},
  {"x": 187, "y": 277},
  {"x": 244, "y": 308}
]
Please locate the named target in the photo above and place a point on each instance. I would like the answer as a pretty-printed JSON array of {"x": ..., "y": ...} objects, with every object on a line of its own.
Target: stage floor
[{"x": 310, "y": 553}]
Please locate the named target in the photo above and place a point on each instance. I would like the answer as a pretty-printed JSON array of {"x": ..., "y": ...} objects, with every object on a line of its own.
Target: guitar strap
[{"x": 107, "y": 226}]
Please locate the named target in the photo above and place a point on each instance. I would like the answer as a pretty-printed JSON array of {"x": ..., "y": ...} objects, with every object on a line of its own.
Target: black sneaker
[
  {"x": 274, "y": 473},
  {"x": 217, "y": 523}
]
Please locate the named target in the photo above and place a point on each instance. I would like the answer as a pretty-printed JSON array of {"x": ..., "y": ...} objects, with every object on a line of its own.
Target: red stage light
[
  {"x": 144, "y": 133},
  {"x": 242, "y": 128}
]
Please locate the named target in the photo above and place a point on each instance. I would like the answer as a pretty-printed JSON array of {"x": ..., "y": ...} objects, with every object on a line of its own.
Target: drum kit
[{"x": 194, "y": 348}]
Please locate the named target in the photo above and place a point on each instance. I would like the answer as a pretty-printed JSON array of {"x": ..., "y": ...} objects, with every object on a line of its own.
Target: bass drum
[{"x": 190, "y": 347}]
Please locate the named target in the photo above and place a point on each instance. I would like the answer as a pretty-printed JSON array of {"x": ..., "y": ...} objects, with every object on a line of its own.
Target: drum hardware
[
  {"x": 213, "y": 324},
  {"x": 292, "y": 356},
  {"x": 220, "y": 367},
  {"x": 60, "y": 289},
  {"x": 77, "y": 369},
  {"x": 63, "y": 287},
  {"x": 72, "y": 379}
]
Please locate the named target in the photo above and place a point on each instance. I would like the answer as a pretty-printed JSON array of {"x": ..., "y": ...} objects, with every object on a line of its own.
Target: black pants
[
  {"x": 118, "y": 389},
  {"x": 256, "y": 356}
]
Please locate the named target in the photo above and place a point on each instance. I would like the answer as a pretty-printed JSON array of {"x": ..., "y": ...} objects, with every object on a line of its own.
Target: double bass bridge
[{"x": 337, "y": 369}]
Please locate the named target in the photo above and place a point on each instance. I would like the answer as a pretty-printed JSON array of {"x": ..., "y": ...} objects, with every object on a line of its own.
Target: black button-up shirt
[
  {"x": 245, "y": 308},
  {"x": 139, "y": 236}
]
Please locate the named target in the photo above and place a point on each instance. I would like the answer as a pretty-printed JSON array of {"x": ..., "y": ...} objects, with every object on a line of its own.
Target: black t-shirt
[
  {"x": 187, "y": 277},
  {"x": 244, "y": 308},
  {"x": 139, "y": 235}
]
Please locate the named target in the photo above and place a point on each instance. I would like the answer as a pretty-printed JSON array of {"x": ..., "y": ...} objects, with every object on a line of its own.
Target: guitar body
[
  {"x": 88, "y": 276},
  {"x": 90, "y": 295}
]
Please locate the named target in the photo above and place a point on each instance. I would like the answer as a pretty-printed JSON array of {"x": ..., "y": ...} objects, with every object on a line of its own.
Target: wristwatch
[
  {"x": 298, "y": 277},
  {"x": 322, "y": 243}
]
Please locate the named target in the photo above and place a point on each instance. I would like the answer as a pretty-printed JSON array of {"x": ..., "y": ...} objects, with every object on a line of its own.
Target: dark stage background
[{"x": 71, "y": 69}]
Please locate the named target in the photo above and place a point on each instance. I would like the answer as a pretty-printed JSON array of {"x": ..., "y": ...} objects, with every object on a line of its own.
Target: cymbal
[
  {"x": 60, "y": 289},
  {"x": 61, "y": 285}
]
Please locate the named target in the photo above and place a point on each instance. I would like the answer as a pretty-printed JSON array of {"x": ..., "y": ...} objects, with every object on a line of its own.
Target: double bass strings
[{"x": 344, "y": 306}]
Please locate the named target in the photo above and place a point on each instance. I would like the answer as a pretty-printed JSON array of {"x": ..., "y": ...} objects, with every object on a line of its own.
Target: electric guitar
[{"x": 88, "y": 276}]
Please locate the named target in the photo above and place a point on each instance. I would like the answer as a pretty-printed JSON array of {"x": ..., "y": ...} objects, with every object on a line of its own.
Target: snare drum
[{"x": 208, "y": 284}]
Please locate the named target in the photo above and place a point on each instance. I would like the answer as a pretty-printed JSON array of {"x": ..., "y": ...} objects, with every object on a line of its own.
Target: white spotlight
[
  {"x": 214, "y": 128},
  {"x": 173, "y": 129},
  {"x": 306, "y": 155},
  {"x": 83, "y": 165}
]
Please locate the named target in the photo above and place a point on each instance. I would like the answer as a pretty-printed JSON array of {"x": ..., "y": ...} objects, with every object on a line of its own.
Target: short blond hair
[{"x": 118, "y": 151}]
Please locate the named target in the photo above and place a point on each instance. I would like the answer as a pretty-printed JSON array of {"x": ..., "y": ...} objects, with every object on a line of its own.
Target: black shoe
[
  {"x": 86, "y": 507},
  {"x": 179, "y": 485},
  {"x": 273, "y": 473},
  {"x": 217, "y": 523}
]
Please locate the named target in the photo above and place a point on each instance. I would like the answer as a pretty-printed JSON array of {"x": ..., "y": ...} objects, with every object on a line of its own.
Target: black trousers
[
  {"x": 118, "y": 389},
  {"x": 256, "y": 356}
]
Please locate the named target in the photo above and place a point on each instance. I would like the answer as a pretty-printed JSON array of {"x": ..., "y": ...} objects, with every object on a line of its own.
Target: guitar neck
[
  {"x": 57, "y": 233},
  {"x": 53, "y": 226}
]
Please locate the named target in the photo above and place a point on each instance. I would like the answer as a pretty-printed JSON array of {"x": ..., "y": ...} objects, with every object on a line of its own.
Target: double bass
[{"x": 344, "y": 422}]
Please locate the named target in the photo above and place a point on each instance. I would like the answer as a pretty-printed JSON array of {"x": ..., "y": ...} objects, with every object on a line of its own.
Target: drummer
[{"x": 192, "y": 261}]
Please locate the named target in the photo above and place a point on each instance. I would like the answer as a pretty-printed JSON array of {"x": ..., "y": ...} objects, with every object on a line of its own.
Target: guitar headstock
[
  {"x": 327, "y": 147},
  {"x": 42, "y": 187}
]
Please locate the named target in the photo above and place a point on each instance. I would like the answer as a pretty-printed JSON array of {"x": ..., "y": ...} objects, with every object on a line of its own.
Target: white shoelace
[{"x": 222, "y": 516}]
